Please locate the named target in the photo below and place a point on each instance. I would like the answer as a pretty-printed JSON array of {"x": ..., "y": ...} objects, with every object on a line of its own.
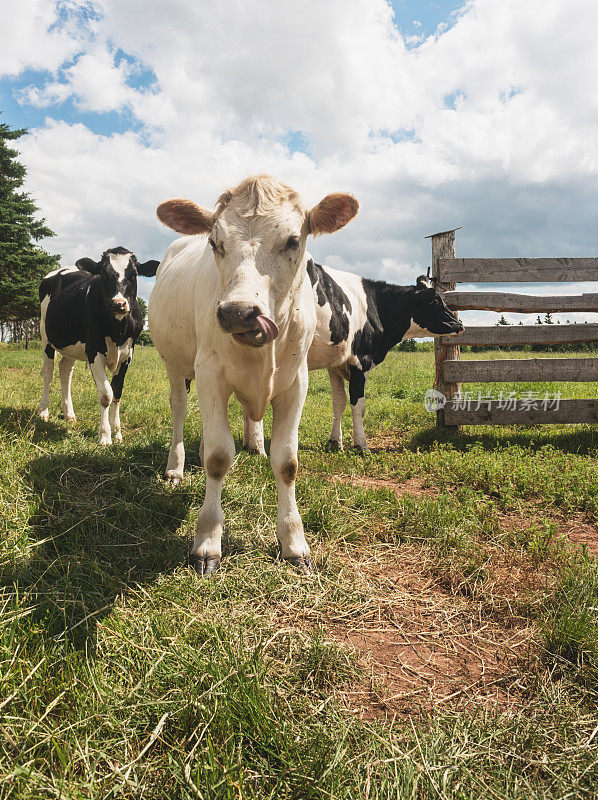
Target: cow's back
[
  {"x": 63, "y": 294},
  {"x": 341, "y": 310},
  {"x": 186, "y": 281}
]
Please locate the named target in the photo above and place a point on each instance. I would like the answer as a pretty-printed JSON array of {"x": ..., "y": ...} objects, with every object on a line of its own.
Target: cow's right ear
[
  {"x": 87, "y": 265},
  {"x": 184, "y": 216}
]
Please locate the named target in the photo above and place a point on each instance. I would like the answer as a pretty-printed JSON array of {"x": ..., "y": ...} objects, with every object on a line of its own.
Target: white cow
[{"x": 238, "y": 316}]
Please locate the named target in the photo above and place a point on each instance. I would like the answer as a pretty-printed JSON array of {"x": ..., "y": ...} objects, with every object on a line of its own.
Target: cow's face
[
  {"x": 430, "y": 315},
  {"x": 118, "y": 270},
  {"x": 258, "y": 236}
]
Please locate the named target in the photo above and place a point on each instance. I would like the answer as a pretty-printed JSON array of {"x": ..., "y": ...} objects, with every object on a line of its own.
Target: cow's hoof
[
  {"x": 44, "y": 416},
  {"x": 105, "y": 442},
  {"x": 332, "y": 446},
  {"x": 203, "y": 565},
  {"x": 173, "y": 477},
  {"x": 254, "y": 451},
  {"x": 118, "y": 438},
  {"x": 70, "y": 419},
  {"x": 302, "y": 563},
  {"x": 362, "y": 451}
]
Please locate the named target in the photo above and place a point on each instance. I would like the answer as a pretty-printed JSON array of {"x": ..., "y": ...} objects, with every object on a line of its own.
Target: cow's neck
[{"x": 394, "y": 312}]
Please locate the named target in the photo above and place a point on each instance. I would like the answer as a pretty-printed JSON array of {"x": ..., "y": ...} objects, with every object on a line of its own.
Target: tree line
[{"x": 22, "y": 262}]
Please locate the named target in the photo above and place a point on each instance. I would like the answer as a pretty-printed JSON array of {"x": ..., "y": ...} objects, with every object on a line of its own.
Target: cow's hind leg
[
  {"x": 178, "y": 404},
  {"x": 66, "y": 367},
  {"x": 287, "y": 409},
  {"x": 218, "y": 454},
  {"x": 117, "y": 383},
  {"x": 47, "y": 372},
  {"x": 339, "y": 403},
  {"x": 253, "y": 436},
  {"x": 357, "y": 381}
]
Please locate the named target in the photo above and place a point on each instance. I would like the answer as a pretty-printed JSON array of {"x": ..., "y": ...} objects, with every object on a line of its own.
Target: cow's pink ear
[
  {"x": 332, "y": 213},
  {"x": 185, "y": 217}
]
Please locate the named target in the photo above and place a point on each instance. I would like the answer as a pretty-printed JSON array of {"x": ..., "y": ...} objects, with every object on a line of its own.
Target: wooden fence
[{"x": 448, "y": 271}]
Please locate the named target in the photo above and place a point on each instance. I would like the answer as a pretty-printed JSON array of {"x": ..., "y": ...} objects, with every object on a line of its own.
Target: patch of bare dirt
[
  {"x": 385, "y": 443},
  {"x": 580, "y": 531},
  {"x": 414, "y": 487},
  {"x": 425, "y": 648},
  {"x": 576, "y": 527}
]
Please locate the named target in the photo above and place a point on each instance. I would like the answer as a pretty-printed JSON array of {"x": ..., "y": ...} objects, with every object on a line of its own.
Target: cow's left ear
[
  {"x": 332, "y": 213},
  {"x": 148, "y": 269},
  {"x": 87, "y": 265}
]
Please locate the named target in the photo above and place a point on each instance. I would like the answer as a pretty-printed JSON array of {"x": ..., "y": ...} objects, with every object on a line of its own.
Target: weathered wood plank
[
  {"x": 443, "y": 246},
  {"x": 506, "y": 270},
  {"x": 524, "y": 369},
  {"x": 524, "y": 303},
  {"x": 497, "y": 335},
  {"x": 495, "y": 413}
]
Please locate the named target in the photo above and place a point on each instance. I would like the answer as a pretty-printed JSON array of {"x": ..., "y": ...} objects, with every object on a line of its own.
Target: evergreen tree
[{"x": 22, "y": 262}]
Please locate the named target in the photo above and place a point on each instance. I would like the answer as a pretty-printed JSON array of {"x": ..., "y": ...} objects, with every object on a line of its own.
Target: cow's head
[
  {"x": 430, "y": 315},
  {"x": 258, "y": 235},
  {"x": 118, "y": 270}
]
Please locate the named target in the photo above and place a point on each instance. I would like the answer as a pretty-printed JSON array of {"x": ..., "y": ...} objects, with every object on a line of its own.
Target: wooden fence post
[{"x": 443, "y": 246}]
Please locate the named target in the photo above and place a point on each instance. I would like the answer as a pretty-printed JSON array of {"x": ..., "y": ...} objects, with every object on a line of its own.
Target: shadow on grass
[
  {"x": 104, "y": 523},
  {"x": 582, "y": 441},
  {"x": 19, "y": 420}
]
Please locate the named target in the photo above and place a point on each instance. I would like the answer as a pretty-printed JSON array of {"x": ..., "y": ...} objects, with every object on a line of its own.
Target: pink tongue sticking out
[{"x": 268, "y": 328}]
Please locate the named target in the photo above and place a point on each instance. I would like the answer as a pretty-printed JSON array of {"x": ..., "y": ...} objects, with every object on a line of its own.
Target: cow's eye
[
  {"x": 292, "y": 243},
  {"x": 213, "y": 244}
]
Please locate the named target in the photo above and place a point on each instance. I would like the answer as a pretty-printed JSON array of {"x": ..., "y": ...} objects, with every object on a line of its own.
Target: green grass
[{"x": 123, "y": 675}]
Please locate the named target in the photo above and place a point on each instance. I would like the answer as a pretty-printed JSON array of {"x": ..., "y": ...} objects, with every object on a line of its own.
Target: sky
[{"x": 434, "y": 114}]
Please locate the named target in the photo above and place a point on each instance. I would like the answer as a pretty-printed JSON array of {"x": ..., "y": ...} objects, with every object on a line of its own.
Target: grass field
[{"x": 447, "y": 646}]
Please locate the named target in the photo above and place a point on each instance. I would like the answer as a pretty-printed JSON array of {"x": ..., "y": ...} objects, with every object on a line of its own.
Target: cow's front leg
[
  {"x": 98, "y": 370},
  {"x": 286, "y": 410},
  {"x": 218, "y": 453},
  {"x": 357, "y": 381},
  {"x": 117, "y": 383},
  {"x": 47, "y": 372},
  {"x": 179, "y": 388},
  {"x": 65, "y": 368},
  {"x": 339, "y": 403},
  {"x": 253, "y": 436}
]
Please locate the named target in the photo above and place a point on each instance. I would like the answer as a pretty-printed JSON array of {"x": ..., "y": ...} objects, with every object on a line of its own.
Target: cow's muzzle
[
  {"x": 246, "y": 323},
  {"x": 119, "y": 305}
]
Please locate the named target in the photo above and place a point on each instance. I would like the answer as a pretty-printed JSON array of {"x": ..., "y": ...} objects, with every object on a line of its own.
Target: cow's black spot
[
  {"x": 356, "y": 385},
  {"x": 49, "y": 351},
  {"x": 118, "y": 379},
  {"x": 217, "y": 465},
  {"x": 289, "y": 472},
  {"x": 329, "y": 291}
]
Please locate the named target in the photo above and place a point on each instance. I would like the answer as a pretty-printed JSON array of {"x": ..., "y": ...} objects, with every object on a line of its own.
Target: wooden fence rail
[{"x": 452, "y": 372}]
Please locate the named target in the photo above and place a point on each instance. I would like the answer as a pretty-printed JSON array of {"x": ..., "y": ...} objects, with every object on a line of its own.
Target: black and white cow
[
  {"x": 90, "y": 313},
  {"x": 358, "y": 322}
]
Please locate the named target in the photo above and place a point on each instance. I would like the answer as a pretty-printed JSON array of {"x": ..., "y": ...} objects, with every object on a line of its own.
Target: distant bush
[
  {"x": 408, "y": 346},
  {"x": 145, "y": 340}
]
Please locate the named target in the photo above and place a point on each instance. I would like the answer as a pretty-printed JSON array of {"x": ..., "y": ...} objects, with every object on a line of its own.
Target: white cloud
[
  {"x": 491, "y": 124},
  {"x": 41, "y": 35}
]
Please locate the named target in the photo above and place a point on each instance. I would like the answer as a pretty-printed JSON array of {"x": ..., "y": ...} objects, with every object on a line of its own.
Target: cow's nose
[
  {"x": 237, "y": 316},
  {"x": 121, "y": 306}
]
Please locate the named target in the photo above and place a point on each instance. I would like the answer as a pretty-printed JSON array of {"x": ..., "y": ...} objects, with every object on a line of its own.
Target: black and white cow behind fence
[
  {"x": 358, "y": 322},
  {"x": 90, "y": 313}
]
